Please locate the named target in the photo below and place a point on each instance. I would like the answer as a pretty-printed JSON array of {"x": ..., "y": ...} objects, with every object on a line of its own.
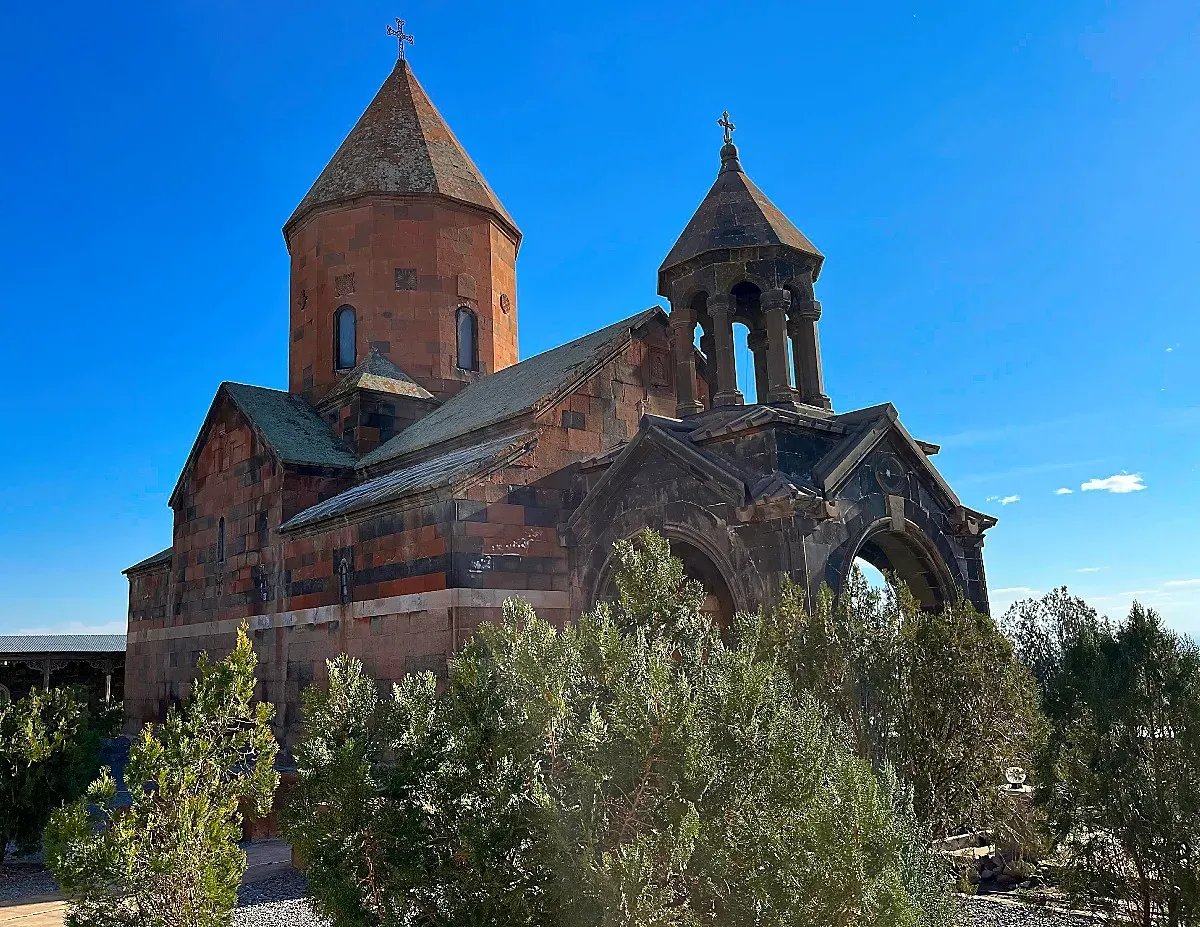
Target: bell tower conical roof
[
  {"x": 736, "y": 214},
  {"x": 402, "y": 145}
]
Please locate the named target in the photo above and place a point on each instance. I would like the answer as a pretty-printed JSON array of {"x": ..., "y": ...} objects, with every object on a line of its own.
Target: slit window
[
  {"x": 344, "y": 335},
  {"x": 468, "y": 339},
  {"x": 221, "y": 540}
]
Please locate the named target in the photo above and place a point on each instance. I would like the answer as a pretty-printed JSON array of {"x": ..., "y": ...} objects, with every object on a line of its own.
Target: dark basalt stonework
[{"x": 771, "y": 492}]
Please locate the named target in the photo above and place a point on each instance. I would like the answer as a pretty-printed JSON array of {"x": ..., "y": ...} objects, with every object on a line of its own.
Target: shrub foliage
[
  {"x": 937, "y": 695},
  {"x": 1120, "y": 772},
  {"x": 45, "y": 759},
  {"x": 634, "y": 769},
  {"x": 171, "y": 859}
]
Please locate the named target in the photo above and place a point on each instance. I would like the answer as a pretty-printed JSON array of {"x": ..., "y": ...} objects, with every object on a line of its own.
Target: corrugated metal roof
[
  {"x": 506, "y": 392},
  {"x": 61, "y": 643},
  {"x": 430, "y": 474}
]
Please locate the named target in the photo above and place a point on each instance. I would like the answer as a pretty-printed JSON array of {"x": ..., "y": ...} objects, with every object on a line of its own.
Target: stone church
[{"x": 416, "y": 473}]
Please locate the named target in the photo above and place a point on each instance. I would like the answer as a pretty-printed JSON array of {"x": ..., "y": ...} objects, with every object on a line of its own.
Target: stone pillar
[
  {"x": 806, "y": 349},
  {"x": 757, "y": 342},
  {"x": 775, "y": 304},
  {"x": 721, "y": 310},
  {"x": 683, "y": 333}
]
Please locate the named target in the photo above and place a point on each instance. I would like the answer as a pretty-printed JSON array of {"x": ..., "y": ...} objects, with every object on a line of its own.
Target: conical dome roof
[
  {"x": 401, "y": 145},
  {"x": 735, "y": 214}
]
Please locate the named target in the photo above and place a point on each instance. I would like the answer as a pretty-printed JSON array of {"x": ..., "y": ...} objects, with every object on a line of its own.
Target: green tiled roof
[
  {"x": 507, "y": 392},
  {"x": 446, "y": 470},
  {"x": 290, "y": 426}
]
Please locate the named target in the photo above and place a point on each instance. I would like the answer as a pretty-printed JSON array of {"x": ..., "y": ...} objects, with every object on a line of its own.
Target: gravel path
[
  {"x": 280, "y": 902},
  {"x": 18, "y": 880},
  {"x": 277, "y": 902},
  {"x": 985, "y": 912}
]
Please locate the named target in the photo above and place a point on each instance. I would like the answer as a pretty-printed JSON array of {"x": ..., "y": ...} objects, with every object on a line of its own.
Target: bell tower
[
  {"x": 741, "y": 261},
  {"x": 402, "y": 249}
]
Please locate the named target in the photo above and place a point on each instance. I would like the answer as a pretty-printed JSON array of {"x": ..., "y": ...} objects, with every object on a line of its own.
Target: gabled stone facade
[{"x": 415, "y": 474}]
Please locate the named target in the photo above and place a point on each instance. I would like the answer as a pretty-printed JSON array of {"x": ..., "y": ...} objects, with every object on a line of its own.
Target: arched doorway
[
  {"x": 904, "y": 557},
  {"x": 718, "y": 602}
]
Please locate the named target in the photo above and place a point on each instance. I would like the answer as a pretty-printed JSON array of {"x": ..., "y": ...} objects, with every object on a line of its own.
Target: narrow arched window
[
  {"x": 468, "y": 339},
  {"x": 344, "y": 580},
  {"x": 221, "y": 540},
  {"x": 344, "y": 325}
]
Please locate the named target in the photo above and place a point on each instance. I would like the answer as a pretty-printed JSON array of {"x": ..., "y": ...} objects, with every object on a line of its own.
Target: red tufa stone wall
[
  {"x": 420, "y": 578},
  {"x": 406, "y": 266}
]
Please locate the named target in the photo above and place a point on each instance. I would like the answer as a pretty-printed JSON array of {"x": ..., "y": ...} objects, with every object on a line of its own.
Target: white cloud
[
  {"x": 1008, "y": 500},
  {"x": 1089, "y": 569},
  {"x": 1169, "y": 350},
  {"x": 1016, "y": 590},
  {"x": 1063, "y": 491},
  {"x": 1182, "y": 582},
  {"x": 1117, "y": 483}
]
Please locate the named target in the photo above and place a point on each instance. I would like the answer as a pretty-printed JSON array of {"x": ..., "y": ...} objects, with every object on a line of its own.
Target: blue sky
[{"x": 1007, "y": 196}]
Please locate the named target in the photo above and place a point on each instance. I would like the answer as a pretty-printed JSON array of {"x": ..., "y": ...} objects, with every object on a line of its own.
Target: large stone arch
[
  {"x": 702, "y": 561},
  {"x": 691, "y": 528},
  {"x": 919, "y": 555}
]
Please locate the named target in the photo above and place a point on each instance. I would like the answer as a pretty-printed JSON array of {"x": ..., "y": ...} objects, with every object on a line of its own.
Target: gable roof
[
  {"x": 707, "y": 468},
  {"x": 736, "y": 214},
  {"x": 447, "y": 470},
  {"x": 511, "y": 391},
  {"x": 288, "y": 425},
  {"x": 162, "y": 558},
  {"x": 401, "y": 145},
  {"x": 873, "y": 425},
  {"x": 377, "y": 373},
  {"x": 293, "y": 429}
]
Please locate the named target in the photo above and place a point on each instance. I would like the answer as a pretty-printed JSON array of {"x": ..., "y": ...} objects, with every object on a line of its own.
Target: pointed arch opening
[
  {"x": 345, "y": 338},
  {"x": 467, "y": 328}
]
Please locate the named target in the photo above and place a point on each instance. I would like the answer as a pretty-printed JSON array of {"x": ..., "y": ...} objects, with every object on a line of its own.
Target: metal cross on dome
[
  {"x": 401, "y": 37},
  {"x": 728, "y": 126}
]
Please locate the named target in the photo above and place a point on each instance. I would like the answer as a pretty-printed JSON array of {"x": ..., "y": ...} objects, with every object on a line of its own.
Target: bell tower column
[
  {"x": 806, "y": 348},
  {"x": 721, "y": 308},
  {"x": 683, "y": 333},
  {"x": 775, "y": 304}
]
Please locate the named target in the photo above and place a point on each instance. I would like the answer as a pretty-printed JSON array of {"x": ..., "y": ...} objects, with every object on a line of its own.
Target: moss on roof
[{"x": 293, "y": 429}]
